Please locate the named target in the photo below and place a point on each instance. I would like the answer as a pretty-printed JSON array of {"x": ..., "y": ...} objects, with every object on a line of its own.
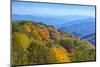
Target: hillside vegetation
[{"x": 38, "y": 43}]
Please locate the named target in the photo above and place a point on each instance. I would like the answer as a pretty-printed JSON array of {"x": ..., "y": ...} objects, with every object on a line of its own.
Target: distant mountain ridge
[
  {"x": 86, "y": 26},
  {"x": 80, "y": 28},
  {"x": 55, "y": 20},
  {"x": 76, "y": 25}
]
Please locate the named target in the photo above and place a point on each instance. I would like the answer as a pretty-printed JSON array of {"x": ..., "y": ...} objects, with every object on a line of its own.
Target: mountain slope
[
  {"x": 79, "y": 28},
  {"x": 38, "y": 43}
]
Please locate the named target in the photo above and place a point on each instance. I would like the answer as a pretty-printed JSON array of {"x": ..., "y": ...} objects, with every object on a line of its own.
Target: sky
[{"x": 51, "y": 10}]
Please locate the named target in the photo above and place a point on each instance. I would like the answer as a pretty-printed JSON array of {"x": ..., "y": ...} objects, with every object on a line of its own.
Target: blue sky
[{"x": 43, "y": 9}]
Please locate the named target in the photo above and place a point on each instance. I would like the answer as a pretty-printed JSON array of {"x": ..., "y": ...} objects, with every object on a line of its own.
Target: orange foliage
[
  {"x": 43, "y": 33},
  {"x": 27, "y": 27}
]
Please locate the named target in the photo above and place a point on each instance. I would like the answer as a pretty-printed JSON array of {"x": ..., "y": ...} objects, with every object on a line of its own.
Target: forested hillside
[{"x": 38, "y": 43}]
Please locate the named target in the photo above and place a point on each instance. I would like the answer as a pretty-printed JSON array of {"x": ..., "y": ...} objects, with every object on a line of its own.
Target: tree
[
  {"x": 58, "y": 54},
  {"x": 16, "y": 27},
  {"x": 68, "y": 41},
  {"x": 19, "y": 56},
  {"x": 37, "y": 53},
  {"x": 43, "y": 33},
  {"x": 84, "y": 52},
  {"x": 27, "y": 27},
  {"x": 20, "y": 39},
  {"x": 20, "y": 42}
]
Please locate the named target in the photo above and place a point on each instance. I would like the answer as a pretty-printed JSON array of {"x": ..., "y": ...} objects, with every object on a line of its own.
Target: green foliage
[
  {"x": 16, "y": 27},
  {"x": 19, "y": 56},
  {"x": 69, "y": 42},
  {"x": 37, "y": 53},
  {"x": 84, "y": 52},
  {"x": 25, "y": 22}
]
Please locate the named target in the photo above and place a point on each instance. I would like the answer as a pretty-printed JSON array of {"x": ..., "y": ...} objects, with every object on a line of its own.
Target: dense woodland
[{"x": 38, "y": 43}]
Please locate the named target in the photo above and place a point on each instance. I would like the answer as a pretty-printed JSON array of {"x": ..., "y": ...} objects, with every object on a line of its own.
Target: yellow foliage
[
  {"x": 20, "y": 39},
  {"x": 27, "y": 27},
  {"x": 58, "y": 35},
  {"x": 35, "y": 35},
  {"x": 59, "y": 54}
]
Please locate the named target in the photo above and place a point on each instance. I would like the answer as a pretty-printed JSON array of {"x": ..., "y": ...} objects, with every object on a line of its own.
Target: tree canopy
[{"x": 38, "y": 43}]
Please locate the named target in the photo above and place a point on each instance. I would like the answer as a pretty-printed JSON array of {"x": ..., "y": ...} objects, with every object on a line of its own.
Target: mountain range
[{"x": 74, "y": 24}]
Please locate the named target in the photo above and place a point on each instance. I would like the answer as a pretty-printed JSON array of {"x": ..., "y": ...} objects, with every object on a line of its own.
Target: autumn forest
[{"x": 39, "y": 43}]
